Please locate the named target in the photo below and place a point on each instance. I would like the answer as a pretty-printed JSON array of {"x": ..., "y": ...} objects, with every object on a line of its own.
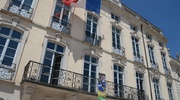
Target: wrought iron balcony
[
  {"x": 7, "y": 70},
  {"x": 119, "y": 51},
  {"x": 60, "y": 25},
  {"x": 34, "y": 72},
  {"x": 16, "y": 7},
  {"x": 139, "y": 58},
  {"x": 93, "y": 38}
]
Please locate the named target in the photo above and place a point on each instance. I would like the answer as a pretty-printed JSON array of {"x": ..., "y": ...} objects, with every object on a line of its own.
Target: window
[
  {"x": 61, "y": 17},
  {"x": 116, "y": 39},
  {"x": 113, "y": 16},
  {"x": 9, "y": 41},
  {"x": 89, "y": 79},
  {"x": 139, "y": 83},
  {"x": 91, "y": 29},
  {"x": 161, "y": 44},
  {"x": 134, "y": 28},
  {"x": 118, "y": 80},
  {"x": 21, "y": 7},
  {"x": 148, "y": 36},
  {"x": 163, "y": 57},
  {"x": 151, "y": 55},
  {"x": 170, "y": 92},
  {"x": 156, "y": 89},
  {"x": 136, "y": 51},
  {"x": 52, "y": 63}
]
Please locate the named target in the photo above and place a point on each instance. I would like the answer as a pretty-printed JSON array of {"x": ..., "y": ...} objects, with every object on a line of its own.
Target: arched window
[
  {"x": 9, "y": 42},
  {"x": 52, "y": 63}
]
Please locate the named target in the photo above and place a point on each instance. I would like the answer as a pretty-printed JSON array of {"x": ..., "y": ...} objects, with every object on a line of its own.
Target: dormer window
[
  {"x": 115, "y": 17},
  {"x": 161, "y": 44},
  {"x": 134, "y": 28},
  {"x": 148, "y": 36}
]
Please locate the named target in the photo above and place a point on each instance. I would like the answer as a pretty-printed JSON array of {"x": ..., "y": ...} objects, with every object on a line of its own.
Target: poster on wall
[{"x": 102, "y": 87}]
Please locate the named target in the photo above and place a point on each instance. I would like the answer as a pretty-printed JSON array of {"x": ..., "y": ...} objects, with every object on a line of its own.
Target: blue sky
[{"x": 165, "y": 14}]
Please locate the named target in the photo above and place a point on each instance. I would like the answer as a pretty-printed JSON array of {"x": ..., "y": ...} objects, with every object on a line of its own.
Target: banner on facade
[{"x": 102, "y": 87}]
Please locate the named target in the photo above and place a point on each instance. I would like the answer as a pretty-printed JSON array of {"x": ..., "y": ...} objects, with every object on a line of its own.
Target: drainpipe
[{"x": 146, "y": 61}]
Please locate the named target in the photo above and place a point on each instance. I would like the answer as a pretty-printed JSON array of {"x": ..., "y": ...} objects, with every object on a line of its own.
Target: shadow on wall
[{"x": 9, "y": 88}]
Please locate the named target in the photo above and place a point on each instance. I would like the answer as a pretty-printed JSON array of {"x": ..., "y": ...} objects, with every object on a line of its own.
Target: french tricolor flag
[{"x": 90, "y": 5}]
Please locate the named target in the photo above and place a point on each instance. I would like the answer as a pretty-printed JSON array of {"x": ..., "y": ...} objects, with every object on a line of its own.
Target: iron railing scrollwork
[
  {"x": 16, "y": 7},
  {"x": 60, "y": 25},
  {"x": 93, "y": 38},
  {"x": 33, "y": 72},
  {"x": 120, "y": 50},
  {"x": 7, "y": 70},
  {"x": 138, "y": 58}
]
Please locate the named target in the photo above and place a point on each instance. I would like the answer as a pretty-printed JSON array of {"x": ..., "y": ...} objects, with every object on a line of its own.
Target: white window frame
[
  {"x": 54, "y": 52},
  {"x": 135, "y": 50},
  {"x": 117, "y": 73},
  {"x": 138, "y": 80},
  {"x": 157, "y": 88},
  {"x": 7, "y": 42},
  {"x": 89, "y": 74},
  {"x": 170, "y": 91},
  {"x": 164, "y": 62},
  {"x": 62, "y": 9},
  {"x": 116, "y": 34},
  {"x": 91, "y": 26},
  {"x": 151, "y": 55},
  {"x": 24, "y": 36}
]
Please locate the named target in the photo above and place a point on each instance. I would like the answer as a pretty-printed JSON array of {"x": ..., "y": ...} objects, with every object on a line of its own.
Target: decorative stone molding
[
  {"x": 15, "y": 21},
  {"x": 57, "y": 38},
  {"x": 149, "y": 42},
  {"x": 116, "y": 24},
  {"x": 163, "y": 50},
  {"x": 92, "y": 51},
  {"x": 119, "y": 61},
  {"x": 28, "y": 90},
  {"x": 134, "y": 34},
  {"x": 140, "y": 68},
  {"x": 155, "y": 73}
]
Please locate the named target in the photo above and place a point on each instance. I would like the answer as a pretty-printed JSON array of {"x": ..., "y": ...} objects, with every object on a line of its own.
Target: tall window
[
  {"x": 118, "y": 80},
  {"x": 22, "y": 7},
  {"x": 156, "y": 88},
  {"x": 113, "y": 16},
  {"x": 9, "y": 42},
  {"x": 163, "y": 56},
  {"x": 52, "y": 63},
  {"x": 136, "y": 51},
  {"x": 151, "y": 55},
  {"x": 139, "y": 81},
  {"x": 116, "y": 39},
  {"x": 61, "y": 17},
  {"x": 170, "y": 91},
  {"x": 89, "y": 79},
  {"x": 91, "y": 28}
]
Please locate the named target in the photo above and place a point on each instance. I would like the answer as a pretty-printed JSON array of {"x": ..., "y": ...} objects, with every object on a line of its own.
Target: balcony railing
[
  {"x": 16, "y": 7},
  {"x": 60, "y": 25},
  {"x": 71, "y": 80},
  {"x": 120, "y": 51},
  {"x": 139, "y": 58},
  {"x": 155, "y": 65},
  {"x": 93, "y": 38},
  {"x": 7, "y": 70}
]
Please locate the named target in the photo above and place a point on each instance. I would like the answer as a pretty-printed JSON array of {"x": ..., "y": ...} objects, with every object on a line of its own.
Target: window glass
[
  {"x": 5, "y": 31},
  {"x": 16, "y": 34}
]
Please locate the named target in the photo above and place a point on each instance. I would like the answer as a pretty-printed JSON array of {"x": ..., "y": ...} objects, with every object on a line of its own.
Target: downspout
[{"x": 146, "y": 61}]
